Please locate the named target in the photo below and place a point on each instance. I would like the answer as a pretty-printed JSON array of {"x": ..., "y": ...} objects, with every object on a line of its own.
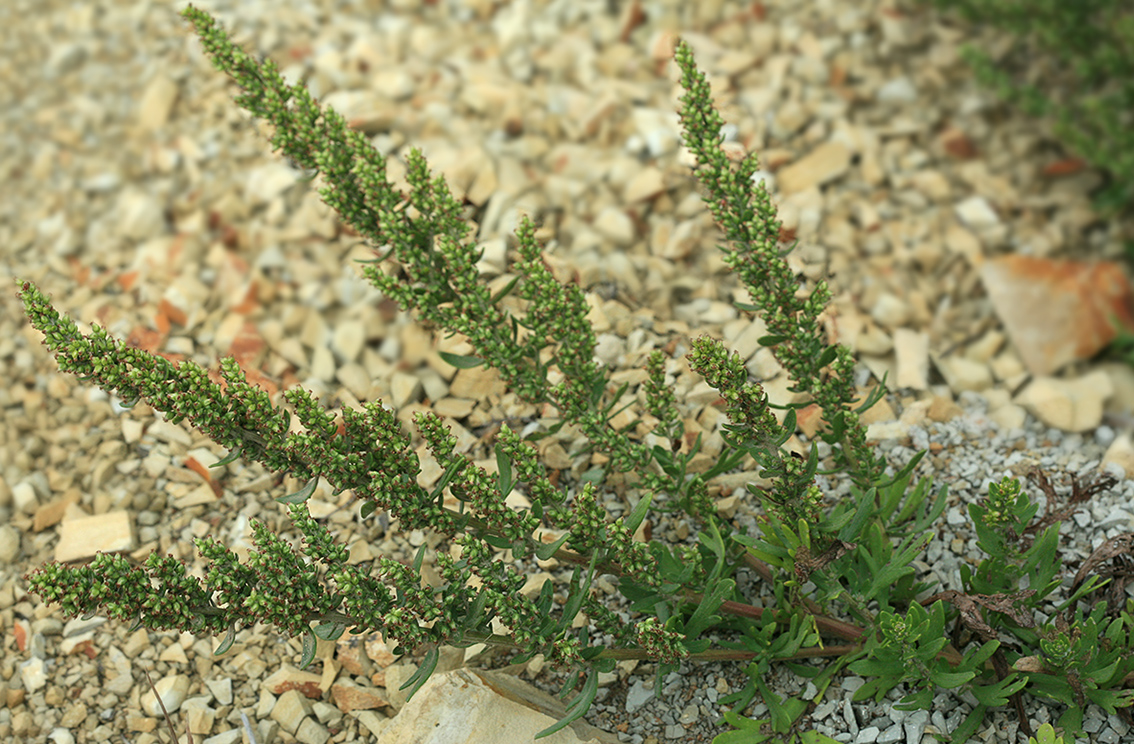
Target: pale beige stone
[
  {"x": 1122, "y": 380},
  {"x": 1121, "y": 453},
  {"x": 396, "y": 676},
  {"x": 890, "y": 311},
  {"x": 468, "y": 706},
  {"x": 912, "y": 351},
  {"x": 404, "y": 389},
  {"x": 823, "y": 164},
  {"x": 173, "y": 653},
  {"x": 312, "y": 732},
  {"x": 347, "y": 339},
  {"x": 379, "y": 651},
  {"x": 477, "y": 383},
  {"x": 156, "y": 102},
  {"x": 171, "y": 690},
  {"x": 614, "y": 224},
  {"x": 915, "y": 413},
  {"x": 164, "y": 431},
  {"x": 290, "y": 710},
  {"x": 202, "y": 494},
  {"x": 932, "y": 183},
  {"x": 199, "y": 716},
  {"x": 886, "y": 430},
  {"x": 33, "y": 673},
  {"x": 986, "y": 347},
  {"x": 960, "y": 240},
  {"x": 416, "y": 345},
  {"x": 648, "y": 183},
  {"x": 9, "y": 544},
  {"x": 221, "y": 689},
  {"x": 1007, "y": 365},
  {"x": 456, "y": 408},
  {"x": 1070, "y": 405},
  {"x": 84, "y": 537},
  {"x": 1009, "y": 416},
  {"x": 268, "y": 182},
  {"x": 964, "y": 374},
  {"x": 977, "y": 213},
  {"x": 355, "y": 379}
]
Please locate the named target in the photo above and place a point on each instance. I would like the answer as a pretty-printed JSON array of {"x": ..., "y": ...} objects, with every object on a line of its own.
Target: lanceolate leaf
[
  {"x": 577, "y": 708},
  {"x": 229, "y": 458},
  {"x": 301, "y": 495},
  {"x": 703, "y": 618},
  {"x": 419, "y": 678},
  {"x": 309, "y": 646},
  {"x": 461, "y": 361}
]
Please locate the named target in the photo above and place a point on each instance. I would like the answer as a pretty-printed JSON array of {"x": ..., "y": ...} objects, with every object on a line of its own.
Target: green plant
[
  {"x": 1046, "y": 736},
  {"x": 823, "y": 562},
  {"x": 1094, "y": 104}
]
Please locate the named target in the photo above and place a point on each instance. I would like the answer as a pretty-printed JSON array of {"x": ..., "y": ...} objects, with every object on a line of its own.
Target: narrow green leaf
[
  {"x": 226, "y": 644},
  {"x": 997, "y": 694},
  {"x": 789, "y": 426},
  {"x": 875, "y": 395},
  {"x": 949, "y": 680},
  {"x": 594, "y": 475},
  {"x": 504, "y": 476},
  {"x": 898, "y": 565},
  {"x": 814, "y": 737},
  {"x": 665, "y": 459},
  {"x": 936, "y": 509},
  {"x": 498, "y": 541},
  {"x": 639, "y": 513},
  {"x": 577, "y": 591},
  {"x": 747, "y": 730},
  {"x": 368, "y": 508},
  {"x": 459, "y": 361},
  {"x": 827, "y": 356},
  {"x": 972, "y": 722},
  {"x": 329, "y": 631},
  {"x": 458, "y": 463},
  {"x": 578, "y": 706},
  {"x": 853, "y": 529},
  {"x": 300, "y": 496},
  {"x": 546, "y": 550},
  {"x": 475, "y": 616},
  {"x": 419, "y": 678},
  {"x": 974, "y": 660},
  {"x": 1072, "y": 720},
  {"x": 309, "y": 646},
  {"x": 230, "y": 457},
  {"x": 505, "y": 290},
  {"x": 703, "y": 617},
  {"x": 419, "y": 559}
]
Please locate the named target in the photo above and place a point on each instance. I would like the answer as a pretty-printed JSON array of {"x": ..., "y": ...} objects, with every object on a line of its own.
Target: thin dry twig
[{"x": 172, "y": 731}]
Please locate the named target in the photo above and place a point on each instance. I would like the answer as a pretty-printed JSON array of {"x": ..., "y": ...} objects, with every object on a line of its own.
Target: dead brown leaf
[
  {"x": 805, "y": 563},
  {"x": 1094, "y": 483},
  {"x": 970, "y": 614},
  {"x": 1119, "y": 550}
]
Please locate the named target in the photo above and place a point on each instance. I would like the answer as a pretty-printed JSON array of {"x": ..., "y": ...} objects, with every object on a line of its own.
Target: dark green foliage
[{"x": 1088, "y": 45}]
